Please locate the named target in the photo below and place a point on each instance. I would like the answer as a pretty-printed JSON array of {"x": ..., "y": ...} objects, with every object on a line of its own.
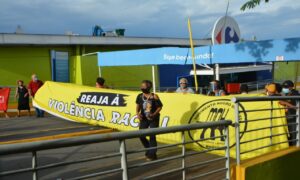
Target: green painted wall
[
  {"x": 89, "y": 70},
  {"x": 127, "y": 77},
  {"x": 75, "y": 70},
  {"x": 286, "y": 71},
  {"x": 19, "y": 62},
  {"x": 284, "y": 167}
]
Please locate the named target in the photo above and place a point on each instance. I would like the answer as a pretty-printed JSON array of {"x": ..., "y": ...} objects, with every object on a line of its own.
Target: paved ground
[
  {"x": 31, "y": 127},
  {"x": 18, "y": 128}
]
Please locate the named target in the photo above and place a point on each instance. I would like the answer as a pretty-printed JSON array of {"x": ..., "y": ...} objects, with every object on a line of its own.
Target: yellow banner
[{"x": 116, "y": 109}]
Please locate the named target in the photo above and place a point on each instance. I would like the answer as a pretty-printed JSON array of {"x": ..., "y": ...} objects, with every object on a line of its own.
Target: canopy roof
[{"x": 246, "y": 52}]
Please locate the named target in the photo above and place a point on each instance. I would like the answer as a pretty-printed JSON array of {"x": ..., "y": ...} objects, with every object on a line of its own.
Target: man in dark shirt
[
  {"x": 148, "y": 107},
  {"x": 288, "y": 90}
]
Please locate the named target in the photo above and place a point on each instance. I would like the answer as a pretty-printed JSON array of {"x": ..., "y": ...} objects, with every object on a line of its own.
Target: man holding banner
[{"x": 148, "y": 107}]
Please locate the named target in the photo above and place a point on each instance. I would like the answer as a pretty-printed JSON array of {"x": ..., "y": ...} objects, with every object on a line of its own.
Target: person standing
[
  {"x": 23, "y": 97},
  {"x": 183, "y": 83},
  {"x": 148, "y": 107},
  {"x": 288, "y": 90},
  {"x": 34, "y": 85}
]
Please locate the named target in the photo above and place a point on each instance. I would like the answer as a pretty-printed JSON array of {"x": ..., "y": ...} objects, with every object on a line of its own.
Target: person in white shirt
[{"x": 183, "y": 83}]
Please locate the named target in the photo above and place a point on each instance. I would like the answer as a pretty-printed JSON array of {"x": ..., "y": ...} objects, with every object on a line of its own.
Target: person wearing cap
[
  {"x": 183, "y": 83},
  {"x": 272, "y": 90},
  {"x": 288, "y": 90}
]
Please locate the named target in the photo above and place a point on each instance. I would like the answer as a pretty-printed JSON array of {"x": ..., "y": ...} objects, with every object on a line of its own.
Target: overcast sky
[{"x": 151, "y": 18}]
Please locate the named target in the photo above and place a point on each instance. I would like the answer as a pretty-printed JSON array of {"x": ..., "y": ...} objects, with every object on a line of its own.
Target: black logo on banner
[
  {"x": 102, "y": 99},
  {"x": 212, "y": 111}
]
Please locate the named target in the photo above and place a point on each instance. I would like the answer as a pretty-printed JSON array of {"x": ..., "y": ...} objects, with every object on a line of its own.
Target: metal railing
[
  {"x": 293, "y": 125},
  {"x": 257, "y": 85},
  {"x": 34, "y": 147}
]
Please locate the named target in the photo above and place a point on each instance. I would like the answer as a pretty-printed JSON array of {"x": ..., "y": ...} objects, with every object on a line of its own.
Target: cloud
[{"x": 166, "y": 18}]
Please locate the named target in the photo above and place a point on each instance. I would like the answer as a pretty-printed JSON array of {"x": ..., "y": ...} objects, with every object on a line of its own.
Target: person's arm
[
  {"x": 159, "y": 106},
  {"x": 30, "y": 93},
  {"x": 29, "y": 89},
  {"x": 138, "y": 108},
  {"x": 17, "y": 93},
  {"x": 287, "y": 104},
  {"x": 138, "y": 112},
  {"x": 26, "y": 94},
  {"x": 156, "y": 112}
]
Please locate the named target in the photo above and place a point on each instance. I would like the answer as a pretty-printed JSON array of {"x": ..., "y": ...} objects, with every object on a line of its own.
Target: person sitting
[
  {"x": 183, "y": 83},
  {"x": 23, "y": 97},
  {"x": 215, "y": 89}
]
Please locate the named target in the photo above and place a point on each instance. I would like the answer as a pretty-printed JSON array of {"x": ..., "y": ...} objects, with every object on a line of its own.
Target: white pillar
[
  {"x": 217, "y": 71},
  {"x": 153, "y": 78},
  {"x": 99, "y": 71}
]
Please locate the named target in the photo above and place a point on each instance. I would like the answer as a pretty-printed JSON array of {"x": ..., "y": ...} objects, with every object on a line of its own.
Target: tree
[{"x": 252, "y": 4}]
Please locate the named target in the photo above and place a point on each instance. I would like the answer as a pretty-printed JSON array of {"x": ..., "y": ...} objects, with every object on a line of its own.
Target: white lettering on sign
[
  {"x": 89, "y": 113},
  {"x": 177, "y": 57}
]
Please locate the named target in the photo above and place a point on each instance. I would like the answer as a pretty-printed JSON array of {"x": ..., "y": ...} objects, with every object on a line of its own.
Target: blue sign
[
  {"x": 246, "y": 52},
  {"x": 152, "y": 57},
  {"x": 260, "y": 51}
]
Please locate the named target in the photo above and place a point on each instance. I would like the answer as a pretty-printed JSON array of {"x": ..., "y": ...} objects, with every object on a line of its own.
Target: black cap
[{"x": 287, "y": 84}]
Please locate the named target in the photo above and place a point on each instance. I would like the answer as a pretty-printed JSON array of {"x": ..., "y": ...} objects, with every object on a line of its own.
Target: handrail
[
  {"x": 294, "y": 122},
  {"x": 263, "y": 98},
  {"x": 73, "y": 141}
]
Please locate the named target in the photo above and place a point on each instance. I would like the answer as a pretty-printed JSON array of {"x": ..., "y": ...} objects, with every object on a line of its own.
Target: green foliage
[{"x": 251, "y": 4}]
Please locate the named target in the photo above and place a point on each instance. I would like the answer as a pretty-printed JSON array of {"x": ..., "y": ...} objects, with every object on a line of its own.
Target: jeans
[
  {"x": 144, "y": 124},
  {"x": 39, "y": 112}
]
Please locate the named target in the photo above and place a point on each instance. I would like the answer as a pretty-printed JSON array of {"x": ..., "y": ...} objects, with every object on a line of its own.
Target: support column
[{"x": 217, "y": 72}]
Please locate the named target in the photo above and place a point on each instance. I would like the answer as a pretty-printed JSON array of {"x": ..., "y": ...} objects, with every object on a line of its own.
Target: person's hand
[
  {"x": 139, "y": 116},
  {"x": 152, "y": 115}
]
